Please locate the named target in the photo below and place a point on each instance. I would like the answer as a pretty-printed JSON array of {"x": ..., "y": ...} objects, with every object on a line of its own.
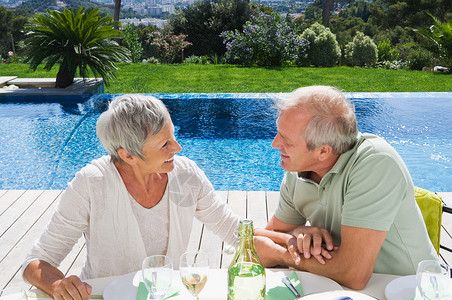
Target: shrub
[
  {"x": 170, "y": 47},
  {"x": 11, "y": 58},
  {"x": 323, "y": 49},
  {"x": 266, "y": 40},
  {"x": 362, "y": 51},
  {"x": 151, "y": 60},
  {"x": 394, "y": 65},
  {"x": 386, "y": 52},
  {"x": 193, "y": 59},
  {"x": 419, "y": 58},
  {"x": 416, "y": 56},
  {"x": 132, "y": 42}
]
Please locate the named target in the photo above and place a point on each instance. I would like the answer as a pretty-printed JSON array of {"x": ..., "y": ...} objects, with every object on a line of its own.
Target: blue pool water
[{"x": 42, "y": 145}]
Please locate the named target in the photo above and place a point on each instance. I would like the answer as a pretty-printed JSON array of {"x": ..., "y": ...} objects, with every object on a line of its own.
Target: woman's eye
[{"x": 164, "y": 145}]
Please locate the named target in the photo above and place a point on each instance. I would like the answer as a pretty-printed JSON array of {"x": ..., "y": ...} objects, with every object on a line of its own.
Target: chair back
[{"x": 431, "y": 206}]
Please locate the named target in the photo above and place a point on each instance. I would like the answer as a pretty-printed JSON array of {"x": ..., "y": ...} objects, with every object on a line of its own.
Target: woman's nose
[{"x": 177, "y": 147}]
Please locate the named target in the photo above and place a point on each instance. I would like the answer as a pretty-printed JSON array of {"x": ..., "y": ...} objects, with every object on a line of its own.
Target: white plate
[
  {"x": 338, "y": 295},
  {"x": 125, "y": 287},
  {"x": 402, "y": 288}
]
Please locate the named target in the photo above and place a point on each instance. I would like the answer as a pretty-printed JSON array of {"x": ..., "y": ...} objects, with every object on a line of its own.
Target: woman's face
[{"x": 159, "y": 151}]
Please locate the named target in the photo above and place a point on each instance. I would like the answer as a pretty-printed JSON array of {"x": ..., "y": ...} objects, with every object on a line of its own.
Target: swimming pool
[{"x": 42, "y": 145}]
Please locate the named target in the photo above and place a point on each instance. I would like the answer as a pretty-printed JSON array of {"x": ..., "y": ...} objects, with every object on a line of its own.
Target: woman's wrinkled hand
[{"x": 71, "y": 288}]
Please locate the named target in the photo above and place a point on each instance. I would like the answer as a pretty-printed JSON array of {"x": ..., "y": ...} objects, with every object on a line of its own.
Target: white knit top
[{"x": 97, "y": 205}]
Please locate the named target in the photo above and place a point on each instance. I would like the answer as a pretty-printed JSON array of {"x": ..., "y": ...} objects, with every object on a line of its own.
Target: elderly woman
[{"x": 138, "y": 201}]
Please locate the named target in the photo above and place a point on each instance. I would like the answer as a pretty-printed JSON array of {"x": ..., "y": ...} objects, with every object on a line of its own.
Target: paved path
[{"x": 25, "y": 213}]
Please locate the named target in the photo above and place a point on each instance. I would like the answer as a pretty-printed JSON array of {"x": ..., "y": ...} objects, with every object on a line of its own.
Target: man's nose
[{"x": 275, "y": 143}]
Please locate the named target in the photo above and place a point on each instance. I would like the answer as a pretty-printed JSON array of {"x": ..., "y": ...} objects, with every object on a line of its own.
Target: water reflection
[{"x": 224, "y": 118}]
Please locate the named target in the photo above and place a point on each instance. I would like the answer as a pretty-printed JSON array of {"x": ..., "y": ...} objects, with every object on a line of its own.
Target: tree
[
  {"x": 81, "y": 40},
  {"x": 204, "y": 21},
  {"x": 439, "y": 35},
  {"x": 352, "y": 19},
  {"x": 143, "y": 35},
  {"x": 11, "y": 27},
  {"x": 117, "y": 12},
  {"x": 326, "y": 6},
  {"x": 326, "y": 11},
  {"x": 411, "y": 13},
  {"x": 132, "y": 41}
]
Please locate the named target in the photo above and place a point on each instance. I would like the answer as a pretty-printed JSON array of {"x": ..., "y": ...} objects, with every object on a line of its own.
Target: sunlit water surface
[{"x": 42, "y": 145}]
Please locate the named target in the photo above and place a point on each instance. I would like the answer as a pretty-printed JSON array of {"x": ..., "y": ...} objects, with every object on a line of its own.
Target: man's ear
[
  {"x": 324, "y": 152},
  {"x": 126, "y": 156}
]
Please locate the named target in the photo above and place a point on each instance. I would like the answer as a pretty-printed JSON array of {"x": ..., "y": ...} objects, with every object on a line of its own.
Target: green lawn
[{"x": 188, "y": 78}]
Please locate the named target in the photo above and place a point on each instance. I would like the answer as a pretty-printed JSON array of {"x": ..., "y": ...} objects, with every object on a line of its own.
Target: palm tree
[
  {"x": 439, "y": 36},
  {"x": 80, "y": 40},
  {"x": 117, "y": 10}
]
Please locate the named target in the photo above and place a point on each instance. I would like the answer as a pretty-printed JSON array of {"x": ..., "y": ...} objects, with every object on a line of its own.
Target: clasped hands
[{"x": 310, "y": 241}]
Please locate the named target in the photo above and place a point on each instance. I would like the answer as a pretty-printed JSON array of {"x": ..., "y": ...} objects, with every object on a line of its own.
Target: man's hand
[
  {"x": 311, "y": 241},
  {"x": 71, "y": 288}
]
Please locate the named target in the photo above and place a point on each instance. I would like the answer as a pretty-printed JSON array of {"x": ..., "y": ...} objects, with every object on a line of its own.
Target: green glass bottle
[{"x": 246, "y": 275}]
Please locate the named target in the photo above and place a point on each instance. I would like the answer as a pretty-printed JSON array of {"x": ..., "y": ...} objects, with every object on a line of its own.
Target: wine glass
[
  {"x": 157, "y": 272},
  {"x": 193, "y": 269},
  {"x": 432, "y": 280}
]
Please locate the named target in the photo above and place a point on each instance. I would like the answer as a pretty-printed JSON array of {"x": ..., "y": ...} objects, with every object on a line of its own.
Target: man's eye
[{"x": 164, "y": 145}]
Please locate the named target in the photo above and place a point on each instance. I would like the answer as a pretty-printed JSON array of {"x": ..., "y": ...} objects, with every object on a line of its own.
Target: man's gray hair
[
  {"x": 333, "y": 121},
  {"x": 128, "y": 122}
]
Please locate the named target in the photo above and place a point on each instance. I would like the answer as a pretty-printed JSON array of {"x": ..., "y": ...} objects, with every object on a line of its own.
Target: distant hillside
[
  {"x": 38, "y": 6},
  {"x": 42, "y": 5}
]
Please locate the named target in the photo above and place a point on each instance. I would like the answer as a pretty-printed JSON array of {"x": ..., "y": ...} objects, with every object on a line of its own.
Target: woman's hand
[
  {"x": 311, "y": 241},
  {"x": 71, "y": 288}
]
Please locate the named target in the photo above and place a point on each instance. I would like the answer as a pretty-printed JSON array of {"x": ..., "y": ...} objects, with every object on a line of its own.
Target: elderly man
[{"x": 353, "y": 189}]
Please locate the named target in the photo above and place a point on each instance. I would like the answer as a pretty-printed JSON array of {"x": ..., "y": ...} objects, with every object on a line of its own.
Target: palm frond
[{"x": 440, "y": 36}]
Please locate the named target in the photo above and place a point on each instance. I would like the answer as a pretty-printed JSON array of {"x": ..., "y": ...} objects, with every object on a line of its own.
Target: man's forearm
[
  {"x": 339, "y": 268},
  {"x": 347, "y": 272}
]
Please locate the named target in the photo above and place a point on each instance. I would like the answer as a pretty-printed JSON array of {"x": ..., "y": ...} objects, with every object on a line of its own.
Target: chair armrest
[{"x": 447, "y": 209}]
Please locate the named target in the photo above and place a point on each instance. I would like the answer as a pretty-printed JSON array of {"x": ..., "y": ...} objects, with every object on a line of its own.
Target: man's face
[{"x": 295, "y": 156}]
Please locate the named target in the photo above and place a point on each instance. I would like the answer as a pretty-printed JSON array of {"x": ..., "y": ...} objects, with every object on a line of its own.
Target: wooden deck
[{"x": 25, "y": 213}]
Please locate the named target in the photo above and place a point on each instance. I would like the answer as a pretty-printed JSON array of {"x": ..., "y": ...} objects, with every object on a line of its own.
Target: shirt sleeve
[
  {"x": 375, "y": 192},
  {"x": 68, "y": 223},
  {"x": 214, "y": 213},
  {"x": 286, "y": 211}
]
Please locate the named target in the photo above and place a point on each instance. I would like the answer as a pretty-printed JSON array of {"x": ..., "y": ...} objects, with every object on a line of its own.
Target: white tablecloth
[{"x": 216, "y": 287}]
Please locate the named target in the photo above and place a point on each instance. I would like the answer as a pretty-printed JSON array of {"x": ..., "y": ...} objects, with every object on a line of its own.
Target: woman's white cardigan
[{"x": 96, "y": 204}]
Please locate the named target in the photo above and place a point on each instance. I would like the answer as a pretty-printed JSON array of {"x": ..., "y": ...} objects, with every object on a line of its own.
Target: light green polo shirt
[{"x": 368, "y": 187}]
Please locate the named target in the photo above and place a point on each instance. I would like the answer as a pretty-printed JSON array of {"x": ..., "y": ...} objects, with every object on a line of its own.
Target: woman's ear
[{"x": 126, "y": 156}]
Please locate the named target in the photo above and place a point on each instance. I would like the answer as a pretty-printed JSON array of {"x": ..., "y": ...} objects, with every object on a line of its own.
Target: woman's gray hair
[
  {"x": 128, "y": 122},
  {"x": 333, "y": 121}
]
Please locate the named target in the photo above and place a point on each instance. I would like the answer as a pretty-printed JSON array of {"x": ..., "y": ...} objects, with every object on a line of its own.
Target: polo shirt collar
[{"x": 342, "y": 161}]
